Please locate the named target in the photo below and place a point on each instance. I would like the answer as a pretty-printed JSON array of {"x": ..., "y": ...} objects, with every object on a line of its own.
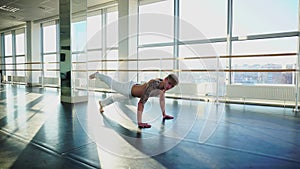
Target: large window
[
  {"x": 79, "y": 35},
  {"x": 94, "y": 34},
  {"x": 8, "y": 44},
  {"x": 14, "y": 55},
  {"x": 155, "y": 22},
  {"x": 20, "y": 52},
  {"x": 103, "y": 42},
  {"x": 8, "y": 67},
  {"x": 50, "y": 55},
  {"x": 262, "y": 49},
  {"x": 155, "y": 62},
  {"x": 267, "y": 16},
  {"x": 8, "y": 58},
  {"x": 201, "y": 61},
  {"x": 94, "y": 41},
  {"x": 265, "y": 61},
  {"x": 111, "y": 54},
  {"x": 202, "y": 21},
  {"x": 264, "y": 39},
  {"x": 207, "y": 17},
  {"x": 20, "y": 42},
  {"x": 50, "y": 65},
  {"x": 156, "y": 27},
  {"x": 112, "y": 28},
  {"x": 49, "y": 37},
  {"x": 198, "y": 21},
  {"x": 79, "y": 56}
]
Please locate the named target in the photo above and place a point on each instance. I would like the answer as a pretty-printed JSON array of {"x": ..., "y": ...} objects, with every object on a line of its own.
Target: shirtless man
[{"x": 154, "y": 87}]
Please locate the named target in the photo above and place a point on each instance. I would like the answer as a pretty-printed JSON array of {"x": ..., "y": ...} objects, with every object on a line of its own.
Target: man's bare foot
[
  {"x": 101, "y": 107},
  {"x": 92, "y": 76},
  {"x": 144, "y": 125},
  {"x": 168, "y": 117}
]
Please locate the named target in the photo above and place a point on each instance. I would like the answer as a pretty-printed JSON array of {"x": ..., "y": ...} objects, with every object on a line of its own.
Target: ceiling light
[{"x": 9, "y": 8}]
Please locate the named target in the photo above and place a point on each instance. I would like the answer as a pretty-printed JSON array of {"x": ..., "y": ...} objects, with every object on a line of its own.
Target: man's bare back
[{"x": 138, "y": 90}]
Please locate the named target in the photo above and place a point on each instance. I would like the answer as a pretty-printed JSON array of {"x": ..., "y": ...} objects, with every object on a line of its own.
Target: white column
[
  {"x": 128, "y": 39},
  {"x": 33, "y": 53}
]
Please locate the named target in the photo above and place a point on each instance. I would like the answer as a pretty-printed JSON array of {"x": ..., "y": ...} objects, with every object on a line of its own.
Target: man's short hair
[{"x": 173, "y": 79}]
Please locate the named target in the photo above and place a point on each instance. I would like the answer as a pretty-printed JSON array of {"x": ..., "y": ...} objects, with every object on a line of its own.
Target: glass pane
[
  {"x": 49, "y": 38},
  {"x": 8, "y": 45},
  {"x": 94, "y": 36},
  {"x": 265, "y": 46},
  {"x": 207, "y": 17},
  {"x": 156, "y": 27},
  {"x": 264, "y": 63},
  {"x": 267, "y": 16},
  {"x": 199, "y": 52},
  {"x": 50, "y": 67},
  {"x": 278, "y": 45},
  {"x": 20, "y": 65},
  {"x": 94, "y": 58},
  {"x": 20, "y": 44},
  {"x": 50, "y": 58},
  {"x": 20, "y": 60},
  {"x": 207, "y": 82},
  {"x": 114, "y": 64},
  {"x": 263, "y": 78},
  {"x": 94, "y": 55},
  {"x": 79, "y": 67},
  {"x": 163, "y": 52},
  {"x": 163, "y": 58},
  {"x": 8, "y": 66},
  {"x": 279, "y": 62},
  {"x": 50, "y": 74},
  {"x": 160, "y": 7},
  {"x": 78, "y": 36},
  {"x": 112, "y": 29}
]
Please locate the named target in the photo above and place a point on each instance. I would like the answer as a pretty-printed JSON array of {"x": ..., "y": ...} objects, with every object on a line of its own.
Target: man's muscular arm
[
  {"x": 162, "y": 103},
  {"x": 151, "y": 85},
  {"x": 163, "y": 106},
  {"x": 140, "y": 111}
]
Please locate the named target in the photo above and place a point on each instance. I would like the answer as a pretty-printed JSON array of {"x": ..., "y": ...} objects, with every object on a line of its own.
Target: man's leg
[
  {"x": 119, "y": 87},
  {"x": 111, "y": 99}
]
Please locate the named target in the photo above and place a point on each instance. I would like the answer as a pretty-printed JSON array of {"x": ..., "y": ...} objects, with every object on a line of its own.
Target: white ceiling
[{"x": 33, "y": 10}]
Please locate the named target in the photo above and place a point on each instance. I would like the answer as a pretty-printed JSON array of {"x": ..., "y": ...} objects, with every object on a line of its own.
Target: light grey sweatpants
[{"x": 122, "y": 88}]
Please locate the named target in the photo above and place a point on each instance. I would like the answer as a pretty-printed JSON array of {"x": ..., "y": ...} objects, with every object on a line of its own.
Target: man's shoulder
[{"x": 155, "y": 80}]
